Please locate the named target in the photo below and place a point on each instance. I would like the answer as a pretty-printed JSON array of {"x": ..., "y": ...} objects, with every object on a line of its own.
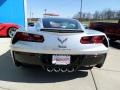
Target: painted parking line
[
  {"x": 11, "y": 77},
  {"x": 106, "y": 80},
  {"x": 19, "y": 78}
]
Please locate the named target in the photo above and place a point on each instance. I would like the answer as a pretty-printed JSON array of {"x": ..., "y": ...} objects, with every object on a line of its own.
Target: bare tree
[
  {"x": 97, "y": 15},
  {"x": 118, "y": 15}
]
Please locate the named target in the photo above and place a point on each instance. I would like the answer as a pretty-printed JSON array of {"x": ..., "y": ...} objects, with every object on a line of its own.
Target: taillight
[
  {"x": 97, "y": 39},
  {"x": 92, "y": 39},
  {"x": 22, "y": 36},
  {"x": 85, "y": 40}
]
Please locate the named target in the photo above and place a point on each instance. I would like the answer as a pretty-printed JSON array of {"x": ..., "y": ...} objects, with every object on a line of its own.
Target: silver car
[{"x": 59, "y": 45}]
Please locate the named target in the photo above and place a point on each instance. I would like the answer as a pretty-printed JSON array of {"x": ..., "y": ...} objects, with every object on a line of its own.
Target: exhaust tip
[
  {"x": 49, "y": 69},
  {"x": 63, "y": 69},
  {"x": 71, "y": 69},
  {"x": 57, "y": 69}
]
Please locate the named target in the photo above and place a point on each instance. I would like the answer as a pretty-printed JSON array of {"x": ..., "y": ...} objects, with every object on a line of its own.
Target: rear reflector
[
  {"x": 22, "y": 36},
  {"x": 92, "y": 39}
]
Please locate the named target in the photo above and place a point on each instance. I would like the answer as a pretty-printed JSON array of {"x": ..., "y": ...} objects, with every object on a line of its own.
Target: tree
[
  {"x": 118, "y": 15},
  {"x": 97, "y": 15}
]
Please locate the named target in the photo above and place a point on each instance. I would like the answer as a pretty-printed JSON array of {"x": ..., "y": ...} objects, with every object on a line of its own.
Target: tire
[
  {"x": 11, "y": 32},
  {"x": 102, "y": 63},
  {"x": 99, "y": 65},
  {"x": 112, "y": 40},
  {"x": 18, "y": 64}
]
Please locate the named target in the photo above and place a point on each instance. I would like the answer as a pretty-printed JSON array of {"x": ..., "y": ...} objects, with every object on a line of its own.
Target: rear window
[{"x": 60, "y": 23}]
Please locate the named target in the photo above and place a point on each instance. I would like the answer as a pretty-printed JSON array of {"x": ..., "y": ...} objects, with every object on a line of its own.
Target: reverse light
[
  {"x": 22, "y": 36},
  {"x": 92, "y": 39}
]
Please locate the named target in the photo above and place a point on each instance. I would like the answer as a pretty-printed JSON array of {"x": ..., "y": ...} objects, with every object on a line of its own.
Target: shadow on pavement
[
  {"x": 4, "y": 37},
  {"x": 115, "y": 44},
  {"x": 8, "y": 72}
]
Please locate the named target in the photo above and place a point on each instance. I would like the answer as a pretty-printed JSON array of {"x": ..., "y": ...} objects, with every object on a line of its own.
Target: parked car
[
  {"x": 31, "y": 26},
  {"x": 59, "y": 44},
  {"x": 85, "y": 26},
  {"x": 8, "y": 29},
  {"x": 112, "y": 30}
]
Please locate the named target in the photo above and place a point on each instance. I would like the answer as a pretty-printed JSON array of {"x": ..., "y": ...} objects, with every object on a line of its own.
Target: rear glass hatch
[{"x": 61, "y": 25}]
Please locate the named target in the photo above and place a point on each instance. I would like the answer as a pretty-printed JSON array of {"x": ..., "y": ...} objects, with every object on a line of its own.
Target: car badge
[{"x": 62, "y": 41}]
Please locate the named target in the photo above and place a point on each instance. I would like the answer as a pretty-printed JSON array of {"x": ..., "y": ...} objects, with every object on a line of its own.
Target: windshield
[{"x": 61, "y": 23}]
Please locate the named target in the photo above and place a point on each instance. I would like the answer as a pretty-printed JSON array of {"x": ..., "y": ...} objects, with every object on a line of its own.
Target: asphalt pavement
[{"x": 32, "y": 78}]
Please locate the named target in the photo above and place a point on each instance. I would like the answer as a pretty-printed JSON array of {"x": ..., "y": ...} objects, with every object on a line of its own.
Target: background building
[{"x": 12, "y": 11}]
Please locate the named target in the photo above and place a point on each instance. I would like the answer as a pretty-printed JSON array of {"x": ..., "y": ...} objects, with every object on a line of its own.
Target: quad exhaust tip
[
  {"x": 57, "y": 69},
  {"x": 71, "y": 69},
  {"x": 63, "y": 69},
  {"x": 49, "y": 69}
]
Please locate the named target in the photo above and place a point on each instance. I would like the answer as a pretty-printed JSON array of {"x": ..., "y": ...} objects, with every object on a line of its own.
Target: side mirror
[
  {"x": 31, "y": 24},
  {"x": 85, "y": 26}
]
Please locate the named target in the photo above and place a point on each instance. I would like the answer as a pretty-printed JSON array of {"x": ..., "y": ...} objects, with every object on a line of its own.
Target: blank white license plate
[{"x": 61, "y": 59}]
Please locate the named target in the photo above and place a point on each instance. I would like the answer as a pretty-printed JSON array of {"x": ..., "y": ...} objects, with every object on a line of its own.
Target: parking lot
[{"x": 23, "y": 78}]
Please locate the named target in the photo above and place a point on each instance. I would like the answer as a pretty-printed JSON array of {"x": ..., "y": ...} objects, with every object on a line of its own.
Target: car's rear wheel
[
  {"x": 11, "y": 32},
  {"x": 99, "y": 65},
  {"x": 17, "y": 63},
  {"x": 112, "y": 40}
]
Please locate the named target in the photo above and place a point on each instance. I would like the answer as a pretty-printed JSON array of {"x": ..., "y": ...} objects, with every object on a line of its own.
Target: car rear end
[{"x": 59, "y": 49}]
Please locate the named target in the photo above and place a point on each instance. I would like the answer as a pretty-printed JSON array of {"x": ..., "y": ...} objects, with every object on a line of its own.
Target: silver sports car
[{"x": 59, "y": 45}]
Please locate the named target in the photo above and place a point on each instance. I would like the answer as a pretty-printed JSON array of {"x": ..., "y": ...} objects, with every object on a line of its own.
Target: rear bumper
[
  {"x": 45, "y": 60},
  {"x": 32, "y": 47}
]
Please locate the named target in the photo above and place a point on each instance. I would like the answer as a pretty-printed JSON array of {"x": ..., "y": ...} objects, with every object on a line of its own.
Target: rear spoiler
[{"x": 58, "y": 30}]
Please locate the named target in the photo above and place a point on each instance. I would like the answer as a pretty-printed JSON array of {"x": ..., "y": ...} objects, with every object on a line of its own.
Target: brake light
[
  {"x": 97, "y": 39},
  {"x": 92, "y": 39},
  {"x": 28, "y": 37},
  {"x": 85, "y": 40}
]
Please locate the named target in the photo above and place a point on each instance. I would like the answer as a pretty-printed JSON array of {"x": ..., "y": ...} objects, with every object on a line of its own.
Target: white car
[
  {"x": 59, "y": 45},
  {"x": 85, "y": 26},
  {"x": 31, "y": 26}
]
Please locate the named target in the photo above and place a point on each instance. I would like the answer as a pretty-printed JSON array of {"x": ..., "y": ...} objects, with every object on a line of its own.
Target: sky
[{"x": 68, "y": 8}]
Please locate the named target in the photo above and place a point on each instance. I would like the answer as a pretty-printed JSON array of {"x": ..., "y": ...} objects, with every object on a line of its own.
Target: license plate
[{"x": 60, "y": 59}]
